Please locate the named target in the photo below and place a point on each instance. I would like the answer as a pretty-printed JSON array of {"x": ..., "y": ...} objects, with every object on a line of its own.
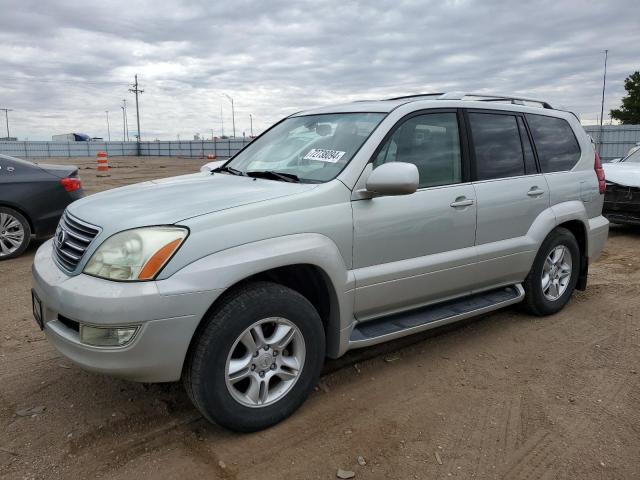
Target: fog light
[{"x": 106, "y": 336}]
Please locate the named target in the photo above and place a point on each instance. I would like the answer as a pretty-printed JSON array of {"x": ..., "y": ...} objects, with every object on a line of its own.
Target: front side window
[
  {"x": 432, "y": 143},
  {"x": 497, "y": 145},
  {"x": 557, "y": 147},
  {"x": 312, "y": 148}
]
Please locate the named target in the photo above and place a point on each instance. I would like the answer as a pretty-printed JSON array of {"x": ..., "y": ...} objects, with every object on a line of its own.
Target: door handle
[
  {"x": 535, "y": 192},
  {"x": 462, "y": 202}
]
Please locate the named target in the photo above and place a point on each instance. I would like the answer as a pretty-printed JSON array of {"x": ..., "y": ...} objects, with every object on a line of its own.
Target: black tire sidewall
[
  {"x": 27, "y": 232},
  {"x": 264, "y": 300},
  {"x": 539, "y": 303}
]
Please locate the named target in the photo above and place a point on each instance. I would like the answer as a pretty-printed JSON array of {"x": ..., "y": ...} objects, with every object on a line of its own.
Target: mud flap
[{"x": 584, "y": 273}]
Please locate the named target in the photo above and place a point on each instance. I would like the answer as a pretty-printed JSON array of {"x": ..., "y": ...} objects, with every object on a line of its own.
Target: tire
[
  {"x": 15, "y": 233},
  {"x": 542, "y": 301},
  {"x": 222, "y": 342}
]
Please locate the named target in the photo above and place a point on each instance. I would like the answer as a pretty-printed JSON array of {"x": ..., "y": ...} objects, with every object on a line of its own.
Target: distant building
[{"x": 8, "y": 139}]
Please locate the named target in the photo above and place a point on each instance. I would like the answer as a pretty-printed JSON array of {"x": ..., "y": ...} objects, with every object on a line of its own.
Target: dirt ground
[{"x": 504, "y": 396}]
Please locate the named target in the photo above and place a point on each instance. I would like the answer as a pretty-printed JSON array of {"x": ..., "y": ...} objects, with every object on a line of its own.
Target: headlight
[{"x": 137, "y": 254}]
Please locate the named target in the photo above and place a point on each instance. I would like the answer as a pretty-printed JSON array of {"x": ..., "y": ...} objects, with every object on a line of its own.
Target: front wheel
[
  {"x": 554, "y": 273},
  {"x": 256, "y": 358}
]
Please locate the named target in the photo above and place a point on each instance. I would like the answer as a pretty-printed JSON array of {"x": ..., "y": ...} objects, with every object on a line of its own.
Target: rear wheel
[
  {"x": 15, "y": 233},
  {"x": 554, "y": 273},
  {"x": 256, "y": 358}
]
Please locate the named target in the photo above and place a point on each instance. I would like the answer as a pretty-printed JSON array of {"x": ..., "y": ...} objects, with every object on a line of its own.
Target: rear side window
[
  {"x": 497, "y": 145},
  {"x": 557, "y": 147}
]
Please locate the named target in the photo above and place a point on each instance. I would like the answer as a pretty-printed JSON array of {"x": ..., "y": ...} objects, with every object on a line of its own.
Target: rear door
[{"x": 511, "y": 193}]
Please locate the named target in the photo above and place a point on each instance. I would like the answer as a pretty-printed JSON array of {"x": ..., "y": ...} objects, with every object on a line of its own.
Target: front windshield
[
  {"x": 633, "y": 158},
  {"x": 312, "y": 148}
]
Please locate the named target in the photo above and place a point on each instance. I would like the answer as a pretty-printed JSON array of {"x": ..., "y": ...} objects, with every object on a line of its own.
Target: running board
[{"x": 405, "y": 323}]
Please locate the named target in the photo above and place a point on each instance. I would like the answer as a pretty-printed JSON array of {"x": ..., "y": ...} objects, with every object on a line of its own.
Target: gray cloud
[{"x": 63, "y": 63}]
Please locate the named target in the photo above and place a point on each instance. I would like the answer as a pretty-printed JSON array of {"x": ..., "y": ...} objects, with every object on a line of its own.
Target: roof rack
[{"x": 478, "y": 97}]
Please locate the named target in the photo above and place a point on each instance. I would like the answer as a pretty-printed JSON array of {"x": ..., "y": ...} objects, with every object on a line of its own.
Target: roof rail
[
  {"x": 481, "y": 97},
  {"x": 439, "y": 94},
  {"x": 493, "y": 98}
]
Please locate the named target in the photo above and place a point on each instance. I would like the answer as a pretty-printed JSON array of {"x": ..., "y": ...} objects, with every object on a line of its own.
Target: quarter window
[
  {"x": 557, "y": 147},
  {"x": 497, "y": 145},
  {"x": 432, "y": 143}
]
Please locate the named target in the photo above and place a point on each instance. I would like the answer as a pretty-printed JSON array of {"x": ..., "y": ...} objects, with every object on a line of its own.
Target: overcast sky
[{"x": 63, "y": 63}]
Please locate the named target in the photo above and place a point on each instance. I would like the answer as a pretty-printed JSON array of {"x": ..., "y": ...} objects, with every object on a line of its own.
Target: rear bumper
[
  {"x": 166, "y": 322},
  {"x": 597, "y": 237}
]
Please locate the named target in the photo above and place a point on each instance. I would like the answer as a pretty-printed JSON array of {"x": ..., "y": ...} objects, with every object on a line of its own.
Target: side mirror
[
  {"x": 394, "y": 178},
  {"x": 209, "y": 167}
]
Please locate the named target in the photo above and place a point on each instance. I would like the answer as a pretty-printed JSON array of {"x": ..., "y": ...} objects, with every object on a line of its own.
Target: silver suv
[{"x": 338, "y": 228}]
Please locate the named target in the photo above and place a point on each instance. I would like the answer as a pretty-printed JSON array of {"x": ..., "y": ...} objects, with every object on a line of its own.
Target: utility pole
[
  {"x": 137, "y": 91},
  {"x": 108, "y": 128},
  {"x": 604, "y": 84},
  {"x": 6, "y": 116},
  {"x": 233, "y": 114},
  {"x": 251, "y": 120}
]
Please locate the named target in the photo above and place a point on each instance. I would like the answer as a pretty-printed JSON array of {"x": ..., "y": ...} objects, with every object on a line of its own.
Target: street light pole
[
  {"x": 6, "y": 116},
  {"x": 251, "y": 120},
  {"x": 108, "y": 128},
  {"x": 233, "y": 114},
  {"x": 604, "y": 84},
  {"x": 125, "y": 127}
]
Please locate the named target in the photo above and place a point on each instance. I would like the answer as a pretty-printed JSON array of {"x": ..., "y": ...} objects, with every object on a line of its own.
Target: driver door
[{"x": 416, "y": 249}]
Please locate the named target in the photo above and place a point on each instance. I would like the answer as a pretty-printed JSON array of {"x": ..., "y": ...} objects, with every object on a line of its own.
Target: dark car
[{"x": 32, "y": 200}]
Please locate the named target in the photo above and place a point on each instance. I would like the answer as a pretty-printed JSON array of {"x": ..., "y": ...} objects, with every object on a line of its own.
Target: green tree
[{"x": 629, "y": 112}]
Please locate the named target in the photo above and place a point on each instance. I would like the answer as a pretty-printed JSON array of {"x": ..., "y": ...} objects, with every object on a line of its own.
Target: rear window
[
  {"x": 557, "y": 147},
  {"x": 497, "y": 145}
]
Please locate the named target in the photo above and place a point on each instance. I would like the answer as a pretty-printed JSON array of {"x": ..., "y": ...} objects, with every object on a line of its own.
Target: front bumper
[
  {"x": 167, "y": 321},
  {"x": 622, "y": 204}
]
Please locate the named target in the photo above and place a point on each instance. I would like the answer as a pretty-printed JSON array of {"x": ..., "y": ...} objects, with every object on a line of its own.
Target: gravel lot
[{"x": 503, "y": 396}]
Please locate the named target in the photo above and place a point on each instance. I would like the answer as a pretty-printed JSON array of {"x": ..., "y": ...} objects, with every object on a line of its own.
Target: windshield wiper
[
  {"x": 272, "y": 174},
  {"x": 231, "y": 170}
]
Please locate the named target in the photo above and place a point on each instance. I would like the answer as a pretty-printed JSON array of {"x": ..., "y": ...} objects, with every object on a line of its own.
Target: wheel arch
[
  {"x": 579, "y": 231},
  {"x": 309, "y": 264}
]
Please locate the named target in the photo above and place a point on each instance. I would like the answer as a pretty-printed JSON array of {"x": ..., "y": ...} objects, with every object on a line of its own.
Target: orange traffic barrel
[
  {"x": 211, "y": 157},
  {"x": 103, "y": 164}
]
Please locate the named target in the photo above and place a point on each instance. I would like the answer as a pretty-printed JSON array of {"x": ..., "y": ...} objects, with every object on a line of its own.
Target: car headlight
[{"x": 137, "y": 254}]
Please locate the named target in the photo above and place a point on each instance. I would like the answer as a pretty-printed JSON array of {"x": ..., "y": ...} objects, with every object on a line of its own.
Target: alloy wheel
[{"x": 265, "y": 362}]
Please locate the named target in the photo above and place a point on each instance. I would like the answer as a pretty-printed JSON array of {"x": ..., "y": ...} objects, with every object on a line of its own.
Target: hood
[
  {"x": 625, "y": 174},
  {"x": 170, "y": 200}
]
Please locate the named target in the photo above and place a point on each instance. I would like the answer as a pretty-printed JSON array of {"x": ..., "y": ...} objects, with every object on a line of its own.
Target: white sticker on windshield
[{"x": 331, "y": 156}]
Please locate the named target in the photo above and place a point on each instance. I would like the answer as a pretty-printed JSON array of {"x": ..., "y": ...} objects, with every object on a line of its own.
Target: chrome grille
[{"x": 71, "y": 240}]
